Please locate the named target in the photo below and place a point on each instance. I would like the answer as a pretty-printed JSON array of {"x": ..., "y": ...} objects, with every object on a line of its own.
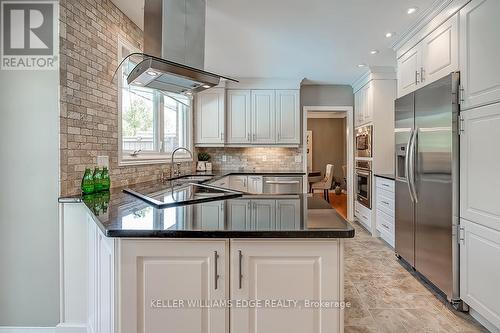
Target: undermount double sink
[{"x": 183, "y": 190}]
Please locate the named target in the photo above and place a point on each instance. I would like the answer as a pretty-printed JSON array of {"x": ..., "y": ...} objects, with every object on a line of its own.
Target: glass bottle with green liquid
[
  {"x": 98, "y": 185},
  {"x": 87, "y": 184}
]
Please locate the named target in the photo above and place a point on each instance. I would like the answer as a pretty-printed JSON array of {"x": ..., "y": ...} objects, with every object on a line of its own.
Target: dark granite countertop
[
  {"x": 389, "y": 176},
  {"x": 120, "y": 214}
]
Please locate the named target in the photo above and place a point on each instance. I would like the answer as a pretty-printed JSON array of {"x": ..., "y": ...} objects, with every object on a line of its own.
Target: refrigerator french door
[{"x": 427, "y": 172}]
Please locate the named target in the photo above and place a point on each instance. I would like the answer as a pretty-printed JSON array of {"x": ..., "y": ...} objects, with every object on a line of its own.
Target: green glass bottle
[
  {"x": 97, "y": 180},
  {"x": 87, "y": 185},
  {"x": 106, "y": 182}
]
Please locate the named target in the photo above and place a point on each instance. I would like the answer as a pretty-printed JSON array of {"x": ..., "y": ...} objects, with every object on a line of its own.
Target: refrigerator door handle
[
  {"x": 407, "y": 165},
  {"x": 411, "y": 165}
]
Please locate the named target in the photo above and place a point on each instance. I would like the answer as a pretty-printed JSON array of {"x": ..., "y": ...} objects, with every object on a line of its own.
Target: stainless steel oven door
[
  {"x": 363, "y": 142},
  {"x": 364, "y": 187}
]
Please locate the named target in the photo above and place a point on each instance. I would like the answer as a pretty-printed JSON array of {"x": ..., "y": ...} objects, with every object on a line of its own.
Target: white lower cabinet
[
  {"x": 209, "y": 215},
  {"x": 286, "y": 270},
  {"x": 288, "y": 214},
  {"x": 385, "y": 209},
  {"x": 480, "y": 269},
  {"x": 264, "y": 214},
  {"x": 363, "y": 215},
  {"x": 156, "y": 273}
]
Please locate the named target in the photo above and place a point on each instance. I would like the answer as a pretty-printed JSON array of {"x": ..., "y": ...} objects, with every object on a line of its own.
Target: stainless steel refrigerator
[{"x": 427, "y": 171}]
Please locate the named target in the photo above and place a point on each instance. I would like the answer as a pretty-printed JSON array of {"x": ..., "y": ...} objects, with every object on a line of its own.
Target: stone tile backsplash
[{"x": 260, "y": 158}]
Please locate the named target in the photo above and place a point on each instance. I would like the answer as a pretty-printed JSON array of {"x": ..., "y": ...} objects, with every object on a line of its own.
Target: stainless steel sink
[{"x": 192, "y": 179}]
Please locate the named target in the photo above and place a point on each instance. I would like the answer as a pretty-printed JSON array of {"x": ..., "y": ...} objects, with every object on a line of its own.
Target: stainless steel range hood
[{"x": 174, "y": 48}]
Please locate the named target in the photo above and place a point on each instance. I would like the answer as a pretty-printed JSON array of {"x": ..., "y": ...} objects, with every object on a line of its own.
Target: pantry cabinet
[
  {"x": 210, "y": 117},
  {"x": 479, "y": 161},
  {"x": 238, "y": 117},
  {"x": 285, "y": 270},
  {"x": 480, "y": 53},
  {"x": 479, "y": 269},
  {"x": 363, "y": 108},
  {"x": 435, "y": 56},
  {"x": 155, "y": 271}
]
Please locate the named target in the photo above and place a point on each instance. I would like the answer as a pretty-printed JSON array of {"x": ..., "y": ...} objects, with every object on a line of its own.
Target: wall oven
[
  {"x": 364, "y": 141},
  {"x": 364, "y": 183}
]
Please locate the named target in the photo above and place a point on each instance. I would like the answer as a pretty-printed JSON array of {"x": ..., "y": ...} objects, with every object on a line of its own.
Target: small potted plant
[{"x": 203, "y": 164}]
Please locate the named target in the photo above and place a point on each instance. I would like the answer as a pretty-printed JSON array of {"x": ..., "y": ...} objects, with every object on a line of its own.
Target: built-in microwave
[{"x": 364, "y": 141}]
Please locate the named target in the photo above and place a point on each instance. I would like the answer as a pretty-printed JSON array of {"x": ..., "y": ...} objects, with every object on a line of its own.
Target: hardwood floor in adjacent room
[{"x": 338, "y": 201}]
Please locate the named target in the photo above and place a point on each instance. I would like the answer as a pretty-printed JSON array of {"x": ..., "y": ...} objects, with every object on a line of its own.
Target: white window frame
[{"x": 125, "y": 157}]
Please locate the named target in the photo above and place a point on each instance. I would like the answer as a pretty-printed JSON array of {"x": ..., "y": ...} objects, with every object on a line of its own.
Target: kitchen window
[{"x": 152, "y": 124}]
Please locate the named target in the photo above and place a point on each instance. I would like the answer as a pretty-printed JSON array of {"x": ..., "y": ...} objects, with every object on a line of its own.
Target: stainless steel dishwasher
[{"x": 282, "y": 185}]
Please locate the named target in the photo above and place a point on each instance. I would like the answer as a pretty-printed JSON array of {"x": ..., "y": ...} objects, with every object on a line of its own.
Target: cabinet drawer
[
  {"x": 385, "y": 184},
  {"x": 363, "y": 215},
  {"x": 385, "y": 203},
  {"x": 385, "y": 221}
]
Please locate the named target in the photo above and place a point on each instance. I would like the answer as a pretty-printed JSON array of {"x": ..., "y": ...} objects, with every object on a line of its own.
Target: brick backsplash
[
  {"x": 258, "y": 158},
  {"x": 89, "y": 32}
]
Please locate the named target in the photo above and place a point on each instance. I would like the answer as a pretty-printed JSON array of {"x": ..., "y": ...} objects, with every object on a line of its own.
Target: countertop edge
[{"x": 386, "y": 176}]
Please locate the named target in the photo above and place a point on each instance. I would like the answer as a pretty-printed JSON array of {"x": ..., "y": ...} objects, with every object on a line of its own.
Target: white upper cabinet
[
  {"x": 255, "y": 184},
  {"x": 440, "y": 52},
  {"x": 363, "y": 105},
  {"x": 408, "y": 71},
  {"x": 479, "y": 161},
  {"x": 210, "y": 118},
  {"x": 263, "y": 116},
  {"x": 434, "y": 57},
  {"x": 480, "y": 53},
  {"x": 238, "y": 183},
  {"x": 282, "y": 270},
  {"x": 287, "y": 116},
  {"x": 238, "y": 116}
]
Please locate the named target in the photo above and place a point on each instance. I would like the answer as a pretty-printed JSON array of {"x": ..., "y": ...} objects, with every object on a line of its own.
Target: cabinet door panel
[
  {"x": 210, "y": 116},
  {"x": 263, "y": 116},
  {"x": 255, "y": 184},
  {"x": 408, "y": 65},
  {"x": 288, "y": 214},
  {"x": 287, "y": 116},
  {"x": 480, "y": 52},
  {"x": 264, "y": 214},
  {"x": 238, "y": 183},
  {"x": 282, "y": 270},
  {"x": 440, "y": 51},
  {"x": 154, "y": 270},
  {"x": 480, "y": 271},
  {"x": 239, "y": 214},
  {"x": 479, "y": 161},
  {"x": 238, "y": 116},
  {"x": 209, "y": 215}
]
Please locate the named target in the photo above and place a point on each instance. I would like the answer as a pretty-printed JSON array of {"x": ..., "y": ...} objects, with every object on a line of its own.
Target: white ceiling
[{"x": 320, "y": 40}]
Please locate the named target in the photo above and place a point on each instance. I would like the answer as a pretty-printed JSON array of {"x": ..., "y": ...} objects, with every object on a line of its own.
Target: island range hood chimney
[{"x": 174, "y": 47}]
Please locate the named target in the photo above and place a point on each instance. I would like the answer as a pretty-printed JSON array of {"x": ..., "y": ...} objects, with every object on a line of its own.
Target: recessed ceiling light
[
  {"x": 412, "y": 10},
  {"x": 389, "y": 34},
  {"x": 151, "y": 73},
  {"x": 361, "y": 65},
  {"x": 206, "y": 86},
  {"x": 373, "y": 51}
]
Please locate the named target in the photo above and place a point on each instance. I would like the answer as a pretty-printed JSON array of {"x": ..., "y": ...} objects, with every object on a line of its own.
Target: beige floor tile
[{"x": 387, "y": 298}]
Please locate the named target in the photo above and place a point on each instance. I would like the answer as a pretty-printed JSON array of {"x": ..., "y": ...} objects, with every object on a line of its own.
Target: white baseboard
[
  {"x": 6, "y": 329},
  {"x": 483, "y": 321},
  {"x": 71, "y": 328}
]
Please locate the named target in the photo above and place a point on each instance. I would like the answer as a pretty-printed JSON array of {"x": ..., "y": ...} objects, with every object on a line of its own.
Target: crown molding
[
  {"x": 424, "y": 18},
  {"x": 374, "y": 73}
]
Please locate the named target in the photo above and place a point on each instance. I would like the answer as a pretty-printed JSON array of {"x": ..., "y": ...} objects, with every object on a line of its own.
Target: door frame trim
[{"x": 349, "y": 110}]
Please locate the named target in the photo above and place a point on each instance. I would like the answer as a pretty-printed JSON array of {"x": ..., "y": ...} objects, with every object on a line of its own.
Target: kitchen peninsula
[{"x": 246, "y": 255}]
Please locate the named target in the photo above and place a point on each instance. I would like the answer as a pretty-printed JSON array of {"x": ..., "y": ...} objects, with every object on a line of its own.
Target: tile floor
[{"x": 386, "y": 298}]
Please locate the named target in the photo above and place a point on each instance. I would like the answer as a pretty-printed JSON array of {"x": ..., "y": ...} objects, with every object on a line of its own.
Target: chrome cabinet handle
[
  {"x": 240, "y": 275},
  {"x": 385, "y": 226},
  {"x": 216, "y": 273},
  {"x": 279, "y": 135},
  {"x": 248, "y": 136},
  {"x": 385, "y": 203},
  {"x": 416, "y": 77},
  {"x": 385, "y": 185},
  {"x": 422, "y": 74},
  {"x": 285, "y": 182},
  {"x": 254, "y": 137}
]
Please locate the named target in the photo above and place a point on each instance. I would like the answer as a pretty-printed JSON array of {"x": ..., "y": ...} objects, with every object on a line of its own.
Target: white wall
[{"x": 29, "y": 164}]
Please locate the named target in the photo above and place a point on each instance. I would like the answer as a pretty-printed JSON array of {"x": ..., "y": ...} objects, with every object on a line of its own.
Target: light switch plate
[
  {"x": 264, "y": 158},
  {"x": 103, "y": 161},
  {"x": 224, "y": 158},
  {"x": 298, "y": 158}
]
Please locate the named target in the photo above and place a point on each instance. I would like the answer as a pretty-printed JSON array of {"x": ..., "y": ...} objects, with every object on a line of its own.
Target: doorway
[{"x": 328, "y": 137}]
